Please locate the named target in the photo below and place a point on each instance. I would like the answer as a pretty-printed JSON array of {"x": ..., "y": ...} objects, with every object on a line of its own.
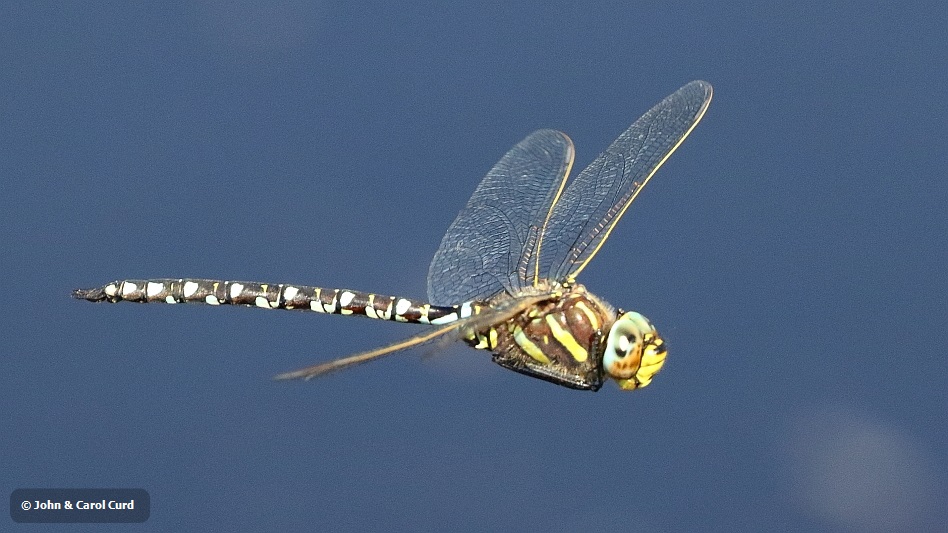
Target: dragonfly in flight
[{"x": 504, "y": 277}]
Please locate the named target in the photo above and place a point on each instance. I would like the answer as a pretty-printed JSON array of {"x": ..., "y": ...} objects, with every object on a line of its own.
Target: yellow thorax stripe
[
  {"x": 566, "y": 339},
  {"x": 532, "y": 350}
]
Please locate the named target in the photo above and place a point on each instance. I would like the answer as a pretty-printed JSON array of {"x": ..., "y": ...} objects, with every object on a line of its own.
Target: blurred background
[{"x": 792, "y": 252}]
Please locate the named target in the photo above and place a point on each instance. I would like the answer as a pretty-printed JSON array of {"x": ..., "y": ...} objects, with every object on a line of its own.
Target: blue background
[{"x": 793, "y": 253}]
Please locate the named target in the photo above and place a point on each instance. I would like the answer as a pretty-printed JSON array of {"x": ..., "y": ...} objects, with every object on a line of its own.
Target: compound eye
[
  {"x": 626, "y": 343},
  {"x": 634, "y": 352}
]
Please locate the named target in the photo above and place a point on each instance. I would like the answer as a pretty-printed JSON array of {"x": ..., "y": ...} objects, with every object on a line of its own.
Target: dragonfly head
[{"x": 634, "y": 351}]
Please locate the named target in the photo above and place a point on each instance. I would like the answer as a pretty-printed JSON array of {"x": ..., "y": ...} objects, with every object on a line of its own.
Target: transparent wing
[
  {"x": 492, "y": 243},
  {"x": 594, "y": 202},
  {"x": 488, "y": 317},
  {"x": 343, "y": 363}
]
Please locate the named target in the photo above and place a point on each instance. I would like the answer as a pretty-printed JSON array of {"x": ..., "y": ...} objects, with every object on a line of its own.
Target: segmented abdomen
[{"x": 275, "y": 296}]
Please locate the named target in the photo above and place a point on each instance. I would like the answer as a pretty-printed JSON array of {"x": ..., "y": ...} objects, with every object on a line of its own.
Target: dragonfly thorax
[{"x": 566, "y": 338}]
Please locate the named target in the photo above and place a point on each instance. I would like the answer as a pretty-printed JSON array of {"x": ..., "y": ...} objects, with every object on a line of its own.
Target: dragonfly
[{"x": 504, "y": 277}]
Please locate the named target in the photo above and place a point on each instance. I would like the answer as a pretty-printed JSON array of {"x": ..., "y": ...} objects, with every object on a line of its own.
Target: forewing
[
  {"x": 595, "y": 201},
  {"x": 491, "y": 245}
]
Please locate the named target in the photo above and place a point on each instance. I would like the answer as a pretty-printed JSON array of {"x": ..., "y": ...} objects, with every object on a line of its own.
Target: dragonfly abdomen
[{"x": 275, "y": 296}]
